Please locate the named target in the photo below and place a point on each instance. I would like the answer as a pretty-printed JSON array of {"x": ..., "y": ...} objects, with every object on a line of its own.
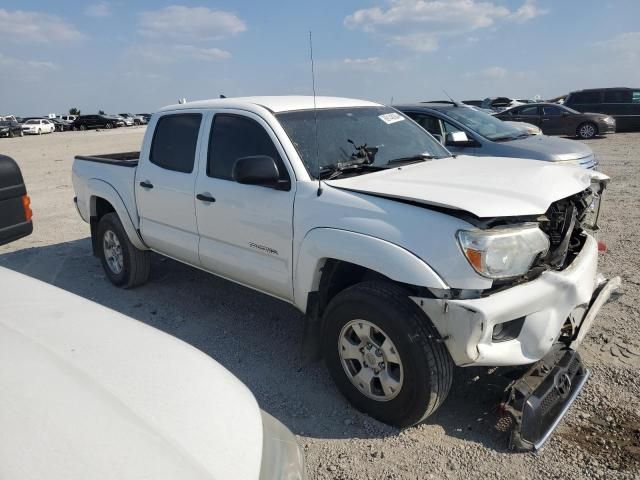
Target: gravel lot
[{"x": 257, "y": 338}]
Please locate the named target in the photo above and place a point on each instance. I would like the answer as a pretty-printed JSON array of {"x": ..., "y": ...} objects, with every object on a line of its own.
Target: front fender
[
  {"x": 102, "y": 189},
  {"x": 373, "y": 253}
]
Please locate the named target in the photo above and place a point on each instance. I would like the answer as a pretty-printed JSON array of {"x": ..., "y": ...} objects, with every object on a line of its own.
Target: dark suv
[
  {"x": 84, "y": 122},
  {"x": 623, "y": 104}
]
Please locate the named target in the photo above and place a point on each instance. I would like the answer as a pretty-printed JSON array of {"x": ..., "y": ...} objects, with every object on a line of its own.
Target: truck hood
[
  {"x": 550, "y": 148},
  {"x": 90, "y": 393},
  {"x": 483, "y": 186}
]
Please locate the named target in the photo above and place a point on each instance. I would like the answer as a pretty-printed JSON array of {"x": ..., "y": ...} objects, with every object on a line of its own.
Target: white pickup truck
[{"x": 405, "y": 260}]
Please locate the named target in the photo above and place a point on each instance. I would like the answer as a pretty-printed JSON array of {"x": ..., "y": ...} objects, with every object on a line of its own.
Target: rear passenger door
[
  {"x": 246, "y": 231},
  {"x": 554, "y": 122},
  {"x": 165, "y": 180},
  {"x": 528, "y": 114}
]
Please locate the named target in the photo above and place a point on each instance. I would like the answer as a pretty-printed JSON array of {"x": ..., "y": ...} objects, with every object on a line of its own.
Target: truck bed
[{"x": 125, "y": 159}]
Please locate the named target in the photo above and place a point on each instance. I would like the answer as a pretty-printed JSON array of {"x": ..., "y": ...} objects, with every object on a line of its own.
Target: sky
[{"x": 139, "y": 55}]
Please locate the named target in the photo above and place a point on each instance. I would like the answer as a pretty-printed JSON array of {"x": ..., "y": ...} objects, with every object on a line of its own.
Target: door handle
[
  {"x": 146, "y": 184},
  {"x": 546, "y": 119},
  {"x": 205, "y": 197}
]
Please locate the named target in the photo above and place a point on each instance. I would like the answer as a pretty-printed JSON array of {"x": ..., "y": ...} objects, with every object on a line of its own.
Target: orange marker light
[
  {"x": 475, "y": 257},
  {"x": 26, "y": 204}
]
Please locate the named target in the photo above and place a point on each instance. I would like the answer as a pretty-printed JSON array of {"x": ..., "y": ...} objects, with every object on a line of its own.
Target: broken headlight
[{"x": 503, "y": 252}]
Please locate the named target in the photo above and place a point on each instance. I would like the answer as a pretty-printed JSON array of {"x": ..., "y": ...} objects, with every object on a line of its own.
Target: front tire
[
  {"x": 108, "y": 125},
  {"x": 587, "y": 130},
  {"x": 385, "y": 355},
  {"x": 124, "y": 264},
  {"x": 82, "y": 128}
]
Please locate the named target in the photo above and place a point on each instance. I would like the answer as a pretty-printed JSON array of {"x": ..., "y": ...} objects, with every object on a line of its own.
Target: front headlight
[
  {"x": 503, "y": 252},
  {"x": 610, "y": 120}
]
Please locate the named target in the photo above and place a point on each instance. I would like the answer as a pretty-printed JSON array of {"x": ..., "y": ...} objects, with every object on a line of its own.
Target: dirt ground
[{"x": 257, "y": 338}]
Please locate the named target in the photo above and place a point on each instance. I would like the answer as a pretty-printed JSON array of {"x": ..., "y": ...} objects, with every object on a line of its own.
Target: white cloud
[
  {"x": 528, "y": 11},
  {"x": 35, "y": 27},
  {"x": 99, "y": 10},
  {"x": 190, "y": 23},
  {"x": 161, "y": 54},
  {"x": 495, "y": 72},
  {"x": 419, "y": 24},
  {"x": 361, "y": 61},
  {"x": 21, "y": 64},
  {"x": 625, "y": 45}
]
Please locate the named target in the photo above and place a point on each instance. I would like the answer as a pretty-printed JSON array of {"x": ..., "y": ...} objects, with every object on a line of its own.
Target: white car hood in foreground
[
  {"x": 87, "y": 393},
  {"x": 483, "y": 186}
]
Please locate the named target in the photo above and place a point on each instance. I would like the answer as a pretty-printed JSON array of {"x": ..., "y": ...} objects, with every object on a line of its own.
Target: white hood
[
  {"x": 483, "y": 186},
  {"x": 87, "y": 393}
]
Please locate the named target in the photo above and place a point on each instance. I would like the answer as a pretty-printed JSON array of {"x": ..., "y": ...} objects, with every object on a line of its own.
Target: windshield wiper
[
  {"x": 333, "y": 171},
  {"x": 411, "y": 159}
]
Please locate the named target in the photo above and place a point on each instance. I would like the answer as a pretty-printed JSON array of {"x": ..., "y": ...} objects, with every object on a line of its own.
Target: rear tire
[
  {"x": 587, "y": 130},
  {"x": 11, "y": 134},
  {"x": 125, "y": 265},
  {"x": 419, "y": 365}
]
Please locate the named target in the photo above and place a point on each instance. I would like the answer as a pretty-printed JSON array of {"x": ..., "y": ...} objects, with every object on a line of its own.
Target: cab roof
[{"x": 275, "y": 104}]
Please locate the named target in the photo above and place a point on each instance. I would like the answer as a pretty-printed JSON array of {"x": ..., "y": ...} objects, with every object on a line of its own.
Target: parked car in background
[
  {"x": 497, "y": 104},
  {"x": 86, "y": 122},
  {"x": 145, "y": 116},
  {"x": 405, "y": 260},
  {"x": 120, "y": 122},
  {"x": 38, "y": 126},
  {"x": 10, "y": 128},
  {"x": 556, "y": 119},
  {"x": 61, "y": 125},
  {"x": 465, "y": 130},
  {"x": 15, "y": 210},
  {"x": 82, "y": 383},
  {"x": 623, "y": 104},
  {"x": 130, "y": 119}
]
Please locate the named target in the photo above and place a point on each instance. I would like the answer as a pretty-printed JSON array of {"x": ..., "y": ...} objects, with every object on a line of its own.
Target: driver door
[{"x": 246, "y": 231}]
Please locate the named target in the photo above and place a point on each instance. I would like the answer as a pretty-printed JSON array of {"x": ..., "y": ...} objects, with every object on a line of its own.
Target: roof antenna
[
  {"x": 391, "y": 101},
  {"x": 315, "y": 114},
  {"x": 457, "y": 104}
]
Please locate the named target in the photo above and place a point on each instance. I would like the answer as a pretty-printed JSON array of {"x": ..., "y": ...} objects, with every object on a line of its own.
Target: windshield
[
  {"x": 31, "y": 122},
  {"x": 484, "y": 124},
  {"x": 393, "y": 134}
]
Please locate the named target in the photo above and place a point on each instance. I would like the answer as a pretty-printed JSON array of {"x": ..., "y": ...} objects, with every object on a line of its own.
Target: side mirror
[
  {"x": 258, "y": 170},
  {"x": 457, "y": 138}
]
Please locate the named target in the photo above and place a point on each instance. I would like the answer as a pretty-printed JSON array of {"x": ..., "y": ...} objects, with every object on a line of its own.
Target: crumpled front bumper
[{"x": 542, "y": 305}]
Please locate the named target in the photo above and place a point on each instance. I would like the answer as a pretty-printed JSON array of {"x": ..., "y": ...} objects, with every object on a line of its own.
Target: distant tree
[
  {"x": 101, "y": 112},
  {"x": 74, "y": 111}
]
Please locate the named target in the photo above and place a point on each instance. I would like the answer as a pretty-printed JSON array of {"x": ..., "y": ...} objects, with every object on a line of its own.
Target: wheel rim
[
  {"x": 587, "y": 131},
  {"x": 113, "y": 252},
  {"x": 370, "y": 360}
]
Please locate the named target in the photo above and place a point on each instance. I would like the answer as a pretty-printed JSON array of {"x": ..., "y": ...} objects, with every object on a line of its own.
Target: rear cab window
[{"x": 174, "y": 142}]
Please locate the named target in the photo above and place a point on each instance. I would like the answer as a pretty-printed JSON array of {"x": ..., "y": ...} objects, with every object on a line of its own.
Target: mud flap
[{"x": 538, "y": 400}]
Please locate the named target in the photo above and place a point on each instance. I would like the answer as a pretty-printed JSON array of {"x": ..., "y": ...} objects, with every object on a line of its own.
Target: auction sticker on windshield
[{"x": 390, "y": 118}]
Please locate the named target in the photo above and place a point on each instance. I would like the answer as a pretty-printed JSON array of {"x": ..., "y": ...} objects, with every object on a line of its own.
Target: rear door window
[
  {"x": 529, "y": 111},
  {"x": 585, "y": 97},
  {"x": 174, "y": 142},
  {"x": 429, "y": 123},
  {"x": 617, "y": 96},
  {"x": 550, "y": 111},
  {"x": 635, "y": 96}
]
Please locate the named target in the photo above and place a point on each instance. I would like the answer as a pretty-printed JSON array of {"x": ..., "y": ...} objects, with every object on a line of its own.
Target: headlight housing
[{"x": 503, "y": 252}]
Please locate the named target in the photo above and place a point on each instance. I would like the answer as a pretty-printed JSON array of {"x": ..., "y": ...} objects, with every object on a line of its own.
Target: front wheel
[
  {"x": 587, "y": 130},
  {"x": 82, "y": 128},
  {"x": 108, "y": 125},
  {"x": 124, "y": 264},
  {"x": 385, "y": 355}
]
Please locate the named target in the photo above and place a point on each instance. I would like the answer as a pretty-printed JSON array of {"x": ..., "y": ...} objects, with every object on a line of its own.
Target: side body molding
[
  {"x": 100, "y": 188},
  {"x": 379, "y": 255}
]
